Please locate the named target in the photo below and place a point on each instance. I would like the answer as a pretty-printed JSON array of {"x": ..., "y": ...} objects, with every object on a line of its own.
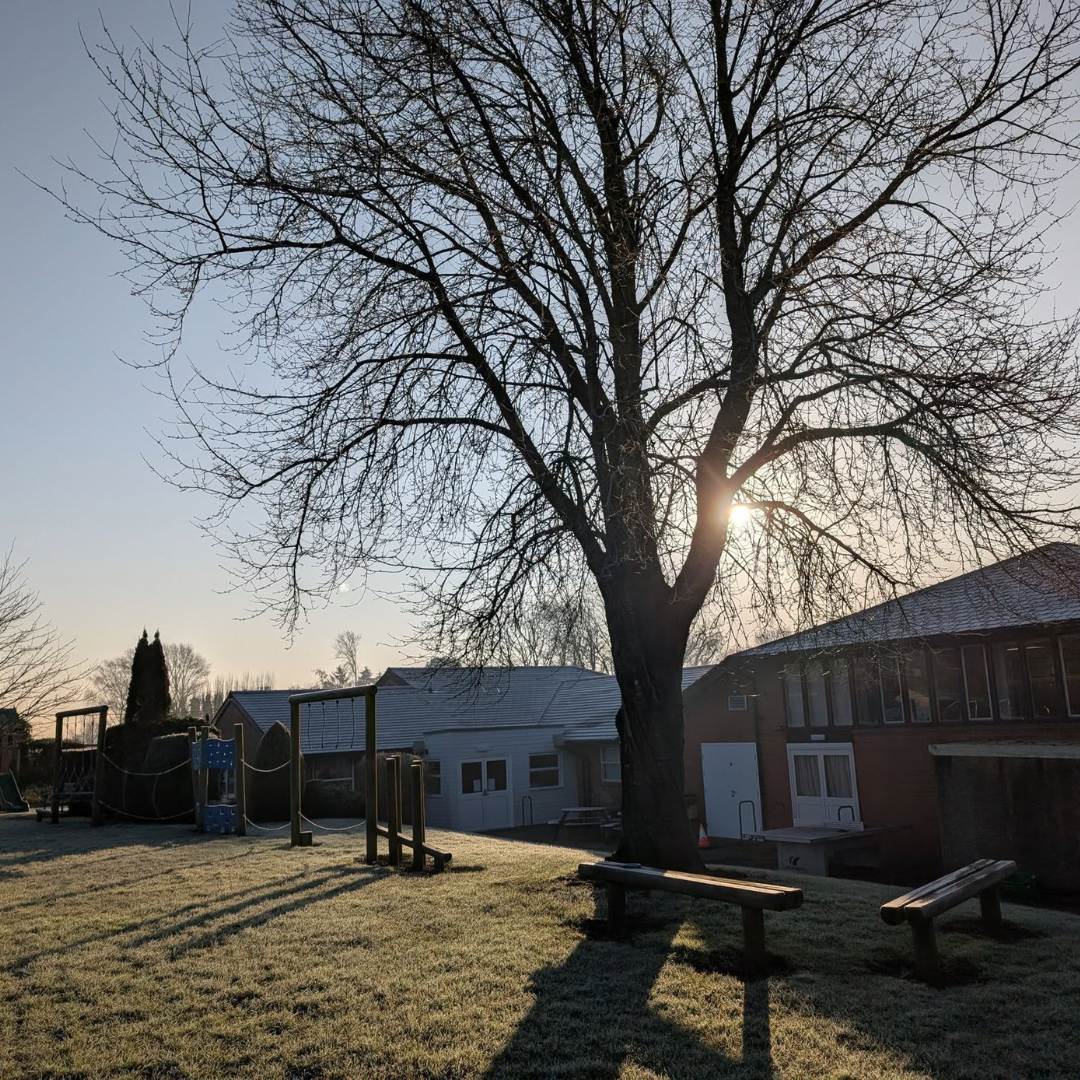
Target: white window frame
[
  {"x": 820, "y": 749},
  {"x": 885, "y": 721},
  {"x": 1069, "y": 708},
  {"x": 986, "y": 675},
  {"x": 545, "y": 768},
  {"x": 604, "y": 764}
]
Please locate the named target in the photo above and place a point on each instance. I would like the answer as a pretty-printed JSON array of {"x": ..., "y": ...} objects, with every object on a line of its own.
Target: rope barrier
[
  {"x": 142, "y": 817},
  {"x": 276, "y": 768},
  {"x": 267, "y": 828},
  {"x": 132, "y": 772},
  {"x": 332, "y": 828}
]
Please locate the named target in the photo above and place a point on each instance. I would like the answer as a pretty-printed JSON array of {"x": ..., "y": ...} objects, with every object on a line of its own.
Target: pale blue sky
[{"x": 111, "y": 548}]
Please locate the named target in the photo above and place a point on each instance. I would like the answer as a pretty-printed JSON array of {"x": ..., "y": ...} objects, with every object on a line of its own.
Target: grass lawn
[{"x": 152, "y": 952}]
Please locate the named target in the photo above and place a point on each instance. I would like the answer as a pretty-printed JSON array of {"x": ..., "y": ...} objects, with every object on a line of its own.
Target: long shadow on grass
[
  {"x": 592, "y": 1014},
  {"x": 211, "y": 907}
]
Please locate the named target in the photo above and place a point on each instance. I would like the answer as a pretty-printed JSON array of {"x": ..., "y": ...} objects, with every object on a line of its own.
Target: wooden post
[
  {"x": 755, "y": 962},
  {"x": 927, "y": 961},
  {"x": 193, "y": 735},
  {"x": 295, "y": 779},
  {"x": 418, "y": 825},
  {"x": 204, "y": 779},
  {"x": 371, "y": 778},
  {"x": 241, "y": 779},
  {"x": 97, "y": 815},
  {"x": 616, "y": 907},
  {"x": 393, "y": 807},
  {"x": 57, "y": 763},
  {"x": 990, "y": 909}
]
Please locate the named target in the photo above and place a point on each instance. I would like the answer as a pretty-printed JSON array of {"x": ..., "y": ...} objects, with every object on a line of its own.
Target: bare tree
[
  {"x": 110, "y": 680},
  {"x": 188, "y": 675},
  {"x": 546, "y": 288},
  {"x": 37, "y": 673}
]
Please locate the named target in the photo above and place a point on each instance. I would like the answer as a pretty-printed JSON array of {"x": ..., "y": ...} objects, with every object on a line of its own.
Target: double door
[
  {"x": 485, "y": 795},
  {"x": 823, "y": 790}
]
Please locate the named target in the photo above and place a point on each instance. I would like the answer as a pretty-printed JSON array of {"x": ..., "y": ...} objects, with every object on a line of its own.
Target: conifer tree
[
  {"x": 156, "y": 700},
  {"x": 138, "y": 666}
]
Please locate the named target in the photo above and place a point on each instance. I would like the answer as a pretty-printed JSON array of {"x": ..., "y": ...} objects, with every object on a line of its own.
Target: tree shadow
[
  {"x": 592, "y": 1014},
  {"x": 203, "y": 911}
]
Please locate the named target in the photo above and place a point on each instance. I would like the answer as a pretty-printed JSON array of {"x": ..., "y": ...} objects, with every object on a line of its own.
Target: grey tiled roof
[
  {"x": 588, "y": 709},
  {"x": 451, "y": 700},
  {"x": 1039, "y": 588},
  {"x": 570, "y": 698}
]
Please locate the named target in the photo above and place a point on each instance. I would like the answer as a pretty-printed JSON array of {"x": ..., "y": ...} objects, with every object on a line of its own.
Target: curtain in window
[
  {"x": 838, "y": 776},
  {"x": 807, "y": 776}
]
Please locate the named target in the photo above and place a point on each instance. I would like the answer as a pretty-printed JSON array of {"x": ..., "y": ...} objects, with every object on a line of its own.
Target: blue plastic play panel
[
  {"x": 220, "y": 754},
  {"x": 219, "y": 819}
]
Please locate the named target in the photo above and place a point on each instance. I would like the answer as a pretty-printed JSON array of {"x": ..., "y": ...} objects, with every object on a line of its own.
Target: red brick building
[{"x": 850, "y": 724}]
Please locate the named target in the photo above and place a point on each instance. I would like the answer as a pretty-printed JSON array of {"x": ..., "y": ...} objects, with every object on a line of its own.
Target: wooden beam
[
  {"x": 755, "y": 960},
  {"x": 990, "y": 910},
  {"x": 204, "y": 779},
  {"x": 418, "y": 824},
  {"x": 616, "y": 907},
  {"x": 58, "y": 752},
  {"x": 371, "y": 778},
  {"x": 97, "y": 813},
  {"x": 393, "y": 807},
  {"x": 927, "y": 961},
  {"x": 241, "y": 779}
]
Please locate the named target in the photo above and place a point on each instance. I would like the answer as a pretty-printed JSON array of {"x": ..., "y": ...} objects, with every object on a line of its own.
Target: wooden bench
[
  {"x": 753, "y": 897},
  {"x": 920, "y": 907}
]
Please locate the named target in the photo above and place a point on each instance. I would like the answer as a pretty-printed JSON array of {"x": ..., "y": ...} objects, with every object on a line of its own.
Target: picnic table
[{"x": 578, "y": 817}]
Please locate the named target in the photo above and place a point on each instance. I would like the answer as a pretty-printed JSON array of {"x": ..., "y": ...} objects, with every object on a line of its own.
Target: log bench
[
  {"x": 755, "y": 898},
  {"x": 919, "y": 907}
]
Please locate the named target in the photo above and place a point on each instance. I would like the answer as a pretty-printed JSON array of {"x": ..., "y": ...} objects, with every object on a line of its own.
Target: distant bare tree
[
  {"x": 222, "y": 686},
  {"x": 37, "y": 673},
  {"x": 188, "y": 674},
  {"x": 110, "y": 680},
  {"x": 546, "y": 288}
]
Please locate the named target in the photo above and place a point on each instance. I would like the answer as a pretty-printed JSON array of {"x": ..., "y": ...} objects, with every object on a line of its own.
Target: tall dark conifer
[
  {"x": 156, "y": 699},
  {"x": 138, "y": 666}
]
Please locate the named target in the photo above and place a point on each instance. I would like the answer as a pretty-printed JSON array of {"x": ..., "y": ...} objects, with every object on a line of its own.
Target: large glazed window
[
  {"x": 977, "y": 683},
  {"x": 793, "y": 698},
  {"x": 1045, "y": 698},
  {"x": 816, "y": 696},
  {"x": 949, "y": 685},
  {"x": 840, "y": 687},
  {"x": 917, "y": 672},
  {"x": 1009, "y": 677},
  {"x": 610, "y": 764},
  {"x": 867, "y": 691},
  {"x": 544, "y": 771},
  {"x": 1070, "y": 663}
]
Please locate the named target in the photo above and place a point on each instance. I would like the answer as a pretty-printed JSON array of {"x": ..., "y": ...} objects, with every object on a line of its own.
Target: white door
[
  {"x": 485, "y": 795},
  {"x": 823, "y": 790},
  {"x": 732, "y": 794}
]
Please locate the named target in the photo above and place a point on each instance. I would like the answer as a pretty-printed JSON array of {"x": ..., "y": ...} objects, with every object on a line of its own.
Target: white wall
[{"x": 451, "y": 748}]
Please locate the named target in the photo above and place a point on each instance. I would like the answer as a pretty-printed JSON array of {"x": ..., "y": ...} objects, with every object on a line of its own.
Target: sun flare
[{"x": 739, "y": 515}]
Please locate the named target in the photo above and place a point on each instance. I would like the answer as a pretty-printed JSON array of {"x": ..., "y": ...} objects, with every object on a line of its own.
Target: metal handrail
[{"x": 753, "y": 808}]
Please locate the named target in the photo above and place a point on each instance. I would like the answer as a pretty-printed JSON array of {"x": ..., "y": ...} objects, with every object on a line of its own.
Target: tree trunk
[{"x": 656, "y": 830}]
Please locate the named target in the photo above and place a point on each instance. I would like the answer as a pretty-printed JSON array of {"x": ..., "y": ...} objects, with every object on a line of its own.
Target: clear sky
[{"x": 111, "y": 548}]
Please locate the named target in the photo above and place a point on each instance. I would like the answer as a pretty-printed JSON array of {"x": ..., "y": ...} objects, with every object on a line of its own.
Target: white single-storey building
[{"x": 502, "y": 748}]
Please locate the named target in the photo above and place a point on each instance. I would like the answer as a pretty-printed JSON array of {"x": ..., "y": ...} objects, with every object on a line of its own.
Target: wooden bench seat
[
  {"x": 755, "y": 898},
  {"x": 921, "y": 906}
]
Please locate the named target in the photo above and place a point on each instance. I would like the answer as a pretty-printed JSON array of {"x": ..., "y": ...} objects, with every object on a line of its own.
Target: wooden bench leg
[
  {"x": 990, "y": 907},
  {"x": 616, "y": 908},
  {"x": 927, "y": 961},
  {"x": 753, "y": 928}
]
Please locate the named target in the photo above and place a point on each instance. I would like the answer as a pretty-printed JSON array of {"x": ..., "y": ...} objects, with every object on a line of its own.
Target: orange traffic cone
[{"x": 703, "y": 840}]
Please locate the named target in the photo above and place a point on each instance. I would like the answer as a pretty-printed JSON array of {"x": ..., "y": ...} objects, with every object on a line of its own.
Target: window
[
  {"x": 432, "y": 778},
  {"x": 815, "y": 694},
  {"x": 807, "y": 776},
  {"x": 837, "y": 776},
  {"x": 948, "y": 682},
  {"x": 1009, "y": 676},
  {"x": 793, "y": 697},
  {"x": 472, "y": 777},
  {"x": 840, "y": 686},
  {"x": 892, "y": 701},
  {"x": 1045, "y": 699},
  {"x": 976, "y": 682},
  {"x": 1070, "y": 663},
  {"x": 918, "y": 687},
  {"x": 544, "y": 771},
  {"x": 496, "y": 774},
  {"x": 610, "y": 764},
  {"x": 867, "y": 691}
]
